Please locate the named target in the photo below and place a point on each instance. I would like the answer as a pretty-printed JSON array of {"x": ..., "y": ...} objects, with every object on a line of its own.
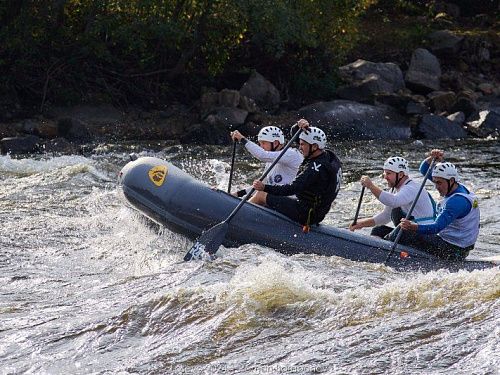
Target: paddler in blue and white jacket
[
  {"x": 271, "y": 141},
  {"x": 455, "y": 230}
]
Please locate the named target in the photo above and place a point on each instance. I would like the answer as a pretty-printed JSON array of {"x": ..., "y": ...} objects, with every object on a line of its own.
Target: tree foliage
[{"x": 149, "y": 52}]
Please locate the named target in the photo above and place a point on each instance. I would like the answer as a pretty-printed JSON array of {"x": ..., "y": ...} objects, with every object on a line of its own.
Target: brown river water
[{"x": 88, "y": 286}]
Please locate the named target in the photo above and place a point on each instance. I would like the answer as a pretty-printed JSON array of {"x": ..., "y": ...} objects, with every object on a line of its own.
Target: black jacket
[{"x": 316, "y": 186}]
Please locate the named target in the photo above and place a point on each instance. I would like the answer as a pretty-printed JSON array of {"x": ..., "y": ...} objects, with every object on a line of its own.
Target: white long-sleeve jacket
[
  {"x": 285, "y": 170},
  {"x": 423, "y": 211}
]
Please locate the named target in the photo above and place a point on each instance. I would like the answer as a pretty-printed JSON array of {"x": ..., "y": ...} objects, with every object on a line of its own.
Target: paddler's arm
[
  {"x": 408, "y": 225},
  {"x": 380, "y": 219},
  {"x": 304, "y": 179},
  {"x": 362, "y": 223},
  {"x": 438, "y": 155},
  {"x": 456, "y": 207},
  {"x": 284, "y": 190},
  {"x": 368, "y": 183},
  {"x": 289, "y": 158}
]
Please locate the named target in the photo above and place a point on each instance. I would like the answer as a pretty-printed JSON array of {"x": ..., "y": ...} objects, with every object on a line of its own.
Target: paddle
[
  {"x": 232, "y": 167},
  {"x": 210, "y": 240},
  {"x": 355, "y": 221},
  {"x": 408, "y": 215}
]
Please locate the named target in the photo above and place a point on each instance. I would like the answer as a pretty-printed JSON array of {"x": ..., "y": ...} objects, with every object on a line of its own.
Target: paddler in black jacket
[{"x": 308, "y": 198}]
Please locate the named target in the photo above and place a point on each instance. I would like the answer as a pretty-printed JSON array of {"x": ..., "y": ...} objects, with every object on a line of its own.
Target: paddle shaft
[
  {"x": 355, "y": 221},
  {"x": 211, "y": 239},
  {"x": 249, "y": 194},
  {"x": 408, "y": 215},
  {"x": 232, "y": 168}
]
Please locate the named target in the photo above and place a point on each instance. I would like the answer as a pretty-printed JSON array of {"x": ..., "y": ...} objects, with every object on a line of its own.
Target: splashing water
[{"x": 90, "y": 286}]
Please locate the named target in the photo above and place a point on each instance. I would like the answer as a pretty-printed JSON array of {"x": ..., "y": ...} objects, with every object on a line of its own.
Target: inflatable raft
[{"x": 174, "y": 199}]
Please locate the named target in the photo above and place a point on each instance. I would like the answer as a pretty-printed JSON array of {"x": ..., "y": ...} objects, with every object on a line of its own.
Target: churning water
[{"x": 88, "y": 286}]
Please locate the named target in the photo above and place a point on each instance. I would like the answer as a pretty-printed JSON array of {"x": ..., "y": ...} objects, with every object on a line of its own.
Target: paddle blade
[{"x": 208, "y": 243}]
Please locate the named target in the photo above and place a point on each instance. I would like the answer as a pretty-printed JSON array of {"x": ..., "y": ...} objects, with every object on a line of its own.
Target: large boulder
[
  {"x": 445, "y": 43},
  {"x": 229, "y": 98},
  {"x": 487, "y": 124},
  {"x": 465, "y": 103},
  {"x": 263, "y": 92},
  {"x": 58, "y": 146},
  {"x": 437, "y": 127},
  {"x": 441, "y": 101},
  {"x": 73, "y": 130},
  {"x": 92, "y": 115},
  {"x": 229, "y": 117},
  {"x": 416, "y": 108},
  {"x": 347, "y": 120},
  {"x": 458, "y": 117},
  {"x": 41, "y": 128},
  {"x": 216, "y": 134},
  {"x": 9, "y": 130},
  {"x": 424, "y": 72},
  {"x": 208, "y": 102},
  {"x": 19, "y": 145},
  {"x": 366, "y": 79}
]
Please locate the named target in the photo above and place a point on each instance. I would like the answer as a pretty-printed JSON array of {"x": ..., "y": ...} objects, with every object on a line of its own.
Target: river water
[{"x": 88, "y": 286}]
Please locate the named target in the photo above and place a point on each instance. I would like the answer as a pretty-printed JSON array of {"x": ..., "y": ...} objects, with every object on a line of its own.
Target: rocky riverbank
[{"x": 449, "y": 89}]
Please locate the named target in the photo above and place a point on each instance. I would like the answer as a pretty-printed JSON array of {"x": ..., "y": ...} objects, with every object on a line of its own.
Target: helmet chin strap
[
  {"x": 310, "y": 151},
  {"x": 398, "y": 180},
  {"x": 450, "y": 185}
]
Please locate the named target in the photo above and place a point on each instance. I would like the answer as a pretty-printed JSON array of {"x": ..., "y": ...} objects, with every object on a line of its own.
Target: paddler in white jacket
[
  {"x": 271, "y": 141},
  {"x": 397, "y": 202}
]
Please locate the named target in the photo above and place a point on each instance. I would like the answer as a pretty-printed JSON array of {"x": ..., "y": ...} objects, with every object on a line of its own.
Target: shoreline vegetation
[{"x": 74, "y": 72}]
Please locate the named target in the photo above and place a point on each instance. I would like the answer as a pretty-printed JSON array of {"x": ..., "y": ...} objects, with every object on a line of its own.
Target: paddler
[
  {"x": 271, "y": 141},
  {"x": 453, "y": 234},
  {"x": 397, "y": 201},
  {"x": 307, "y": 199}
]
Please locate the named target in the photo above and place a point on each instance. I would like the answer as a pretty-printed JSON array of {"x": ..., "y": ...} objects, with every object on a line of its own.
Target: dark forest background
[{"x": 150, "y": 53}]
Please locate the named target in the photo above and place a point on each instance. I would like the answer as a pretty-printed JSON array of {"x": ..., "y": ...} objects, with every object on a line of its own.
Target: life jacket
[{"x": 462, "y": 232}]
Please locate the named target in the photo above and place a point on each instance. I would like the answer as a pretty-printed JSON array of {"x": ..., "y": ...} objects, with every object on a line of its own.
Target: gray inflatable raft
[{"x": 174, "y": 199}]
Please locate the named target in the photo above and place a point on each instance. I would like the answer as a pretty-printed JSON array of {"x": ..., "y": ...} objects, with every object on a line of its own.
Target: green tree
[{"x": 148, "y": 52}]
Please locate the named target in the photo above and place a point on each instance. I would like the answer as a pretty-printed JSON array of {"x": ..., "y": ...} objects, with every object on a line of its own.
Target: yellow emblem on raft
[
  {"x": 157, "y": 174},
  {"x": 475, "y": 204}
]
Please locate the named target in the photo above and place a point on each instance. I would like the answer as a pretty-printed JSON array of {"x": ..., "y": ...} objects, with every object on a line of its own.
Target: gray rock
[
  {"x": 437, "y": 127},
  {"x": 367, "y": 79},
  {"x": 424, "y": 72},
  {"x": 466, "y": 105},
  {"x": 229, "y": 98},
  {"x": 445, "y": 43},
  {"x": 58, "y": 145},
  {"x": 73, "y": 130},
  {"x": 227, "y": 116},
  {"x": 400, "y": 102},
  {"x": 458, "y": 117},
  {"x": 414, "y": 108},
  {"x": 208, "y": 102},
  {"x": 263, "y": 92},
  {"x": 98, "y": 115},
  {"x": 441, "y": 101},
  {"x": 29, "y": 127},
  {"x": 486, "y": 88},
  {"x": 206, "y": 134},
  {"x": 248, "y": 104},
  {"x": 487, "y": 124},
  {"x": 347, "y": 120},
  {"x": 19, "y": 145}
]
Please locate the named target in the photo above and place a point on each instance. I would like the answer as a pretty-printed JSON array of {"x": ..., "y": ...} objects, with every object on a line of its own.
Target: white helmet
[
  {"x": 271, "y": 134},
  {"x": 397, "y": 164},
  {"x": 446, "y": 171},
  {"x": 314, "y": 136}
]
